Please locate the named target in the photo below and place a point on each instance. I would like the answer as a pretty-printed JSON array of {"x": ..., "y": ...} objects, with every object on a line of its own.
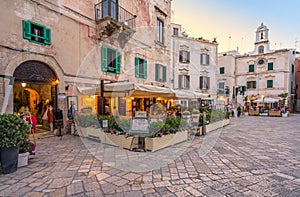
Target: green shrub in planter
[
  {"x": 13, "y": 133},
  {"x": 90, "y": 120},
  {"x": 13, "y": 130}
]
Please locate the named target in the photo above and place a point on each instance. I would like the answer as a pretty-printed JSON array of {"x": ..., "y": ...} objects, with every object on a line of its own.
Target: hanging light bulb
[
  {"x": 57, "y": 81},
  {"x": 23, "y": 85}
]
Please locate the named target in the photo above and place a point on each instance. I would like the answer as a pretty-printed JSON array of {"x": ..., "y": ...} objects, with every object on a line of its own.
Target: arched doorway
[{"x": 35, "y": 86}]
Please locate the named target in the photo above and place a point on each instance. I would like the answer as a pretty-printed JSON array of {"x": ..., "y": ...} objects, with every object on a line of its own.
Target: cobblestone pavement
[{"x": 253, "y": 156}]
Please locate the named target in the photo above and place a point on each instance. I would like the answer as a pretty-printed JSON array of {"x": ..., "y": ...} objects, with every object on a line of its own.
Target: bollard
[{"x": 204, "y": 124}]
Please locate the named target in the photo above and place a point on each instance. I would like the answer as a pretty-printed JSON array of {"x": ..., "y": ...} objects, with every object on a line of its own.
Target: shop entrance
[{"x": 35, "y": 86}]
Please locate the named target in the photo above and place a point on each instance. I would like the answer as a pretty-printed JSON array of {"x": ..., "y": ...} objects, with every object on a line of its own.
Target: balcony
[{"x": 112, "y": 19}]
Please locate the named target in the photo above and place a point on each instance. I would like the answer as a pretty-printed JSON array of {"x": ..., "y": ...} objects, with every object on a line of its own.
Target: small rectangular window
[
  {"x": 222, "y": 70},
  {"x": 160, "y": 31},
  {"x": 36, "y": 33},
  {"x": 204, "y": 58},
  {"x": 269, "y": 83},
  {"x": 140, "y": 68},
  {"x": 184, "y": 56},
  {"x": 251, "y": 68},
  {"x": 204, "y": 83},
  {"x": 110, "y": 60},
  {"x": 221, "y": 88},
  {"x": 251, "y": 84},
  {"x": 270, "y": 66},
  {"x": 184, "y": 81},
  {"x": 175, "y": 31},
  {"x": 160, "y": 73}
]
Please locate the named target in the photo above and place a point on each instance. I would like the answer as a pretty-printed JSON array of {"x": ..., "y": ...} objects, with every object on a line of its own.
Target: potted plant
[
  {"x": 26, "y": 148},
  {"x": 13, "y": 132}
]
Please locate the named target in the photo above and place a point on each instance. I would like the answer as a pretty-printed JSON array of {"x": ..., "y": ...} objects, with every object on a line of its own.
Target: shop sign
[{"x": 140, "y": 114}]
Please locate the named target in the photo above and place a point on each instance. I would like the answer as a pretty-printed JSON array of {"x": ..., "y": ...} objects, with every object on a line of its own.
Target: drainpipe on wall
[{"x": 7, "y": 92}]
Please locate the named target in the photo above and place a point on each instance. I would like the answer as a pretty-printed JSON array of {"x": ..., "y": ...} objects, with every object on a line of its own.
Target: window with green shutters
[
  {"x": 269, "y": 83},
  {"x": 270, "y": 66},
  {"x": 140, "y": 68},
  {"x": 36, "y": 33},
  {"x": 110, "y": 60},
  {"x": 222, "y": 70},
  {"x": 160, "y": 73},
  {"x": 251, "y": 68}
]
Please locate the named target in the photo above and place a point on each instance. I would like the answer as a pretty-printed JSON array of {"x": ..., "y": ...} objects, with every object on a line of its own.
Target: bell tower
[{"x": 262, "y": 43}]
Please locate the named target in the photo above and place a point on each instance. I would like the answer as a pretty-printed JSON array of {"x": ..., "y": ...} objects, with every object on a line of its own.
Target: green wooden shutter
[
  {"x": 164, "y": 74},
  {"x": 251, "y": 68},
  {"x": 254, "y": 84},
  {"x": 137, "y": 67},
  {"x": 156, "y": 72},
  {"x": 118, "y": 62},
  {"x": 270, "y": 84},
  {"x": 145, "y": 69},
  {"x": 47, "y": 36},
  {"x": 180, "y": 81},
  {"x": 201, "y": 83},
  {"x": 270, "y": 66},
  {"x": 26, "y": 29},
  {"x": 104, "y": 59},
  {"x": 208, "y": 83},
  {"x": 248, "y": 84}
]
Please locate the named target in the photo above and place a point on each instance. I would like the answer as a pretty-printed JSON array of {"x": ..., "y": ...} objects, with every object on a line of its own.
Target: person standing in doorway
[{"x": 50, "y": 114}]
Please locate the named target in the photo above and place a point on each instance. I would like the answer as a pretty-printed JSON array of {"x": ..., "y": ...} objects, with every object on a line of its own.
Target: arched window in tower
[
  {"x": 262, "y": 35},
  {"x": 261, "y": 49}
]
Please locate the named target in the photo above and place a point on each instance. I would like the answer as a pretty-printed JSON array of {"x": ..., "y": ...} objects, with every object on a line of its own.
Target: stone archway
[
  {"x": 40, "y": 78},
  {"x": 34, "y": 72}
]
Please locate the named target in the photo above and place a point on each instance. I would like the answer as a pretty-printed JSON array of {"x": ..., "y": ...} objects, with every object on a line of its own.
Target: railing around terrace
[{"x": 109, "y": 8}]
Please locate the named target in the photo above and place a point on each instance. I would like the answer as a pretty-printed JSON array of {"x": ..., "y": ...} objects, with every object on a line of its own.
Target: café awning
[
  {"x": 266, "y": 100},
  {"x": 187, "y": 94},
  {"x": 129, "y": 88}
]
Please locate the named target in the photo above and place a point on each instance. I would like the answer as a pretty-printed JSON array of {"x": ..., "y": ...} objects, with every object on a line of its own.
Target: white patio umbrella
[{"x": 266, "y": 100}]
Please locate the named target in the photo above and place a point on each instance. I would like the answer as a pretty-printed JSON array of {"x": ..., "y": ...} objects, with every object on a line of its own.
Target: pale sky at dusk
[{"x": 239, "y": 19}]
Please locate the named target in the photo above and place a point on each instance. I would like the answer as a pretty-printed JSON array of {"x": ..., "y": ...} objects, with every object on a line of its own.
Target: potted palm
[{"x": 13, "y": 132}]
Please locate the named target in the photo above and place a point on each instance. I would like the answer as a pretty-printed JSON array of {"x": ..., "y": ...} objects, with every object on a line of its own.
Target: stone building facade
[
  {"x": 262, "y": 73},
  {"x": 59, "y": 49},
  {"x": 194, "y": 62}
]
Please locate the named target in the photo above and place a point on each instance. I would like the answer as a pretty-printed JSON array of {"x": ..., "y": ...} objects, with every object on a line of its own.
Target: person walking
[{"x": 239, "y": 111}]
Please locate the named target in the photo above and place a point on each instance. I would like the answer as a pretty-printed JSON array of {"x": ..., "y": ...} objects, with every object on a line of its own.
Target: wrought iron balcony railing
[{"x": 109, "y": 8}]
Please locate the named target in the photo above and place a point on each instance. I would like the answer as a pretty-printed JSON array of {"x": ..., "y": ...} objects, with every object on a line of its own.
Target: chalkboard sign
[{"x": 139, "y": 126}]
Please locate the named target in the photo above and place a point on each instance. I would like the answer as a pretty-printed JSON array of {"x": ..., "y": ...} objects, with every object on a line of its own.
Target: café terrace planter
[
  {"x": 157, "y": 143},
  {"x": 216, "y": 125},
  {"x": 130, "y": 142}
]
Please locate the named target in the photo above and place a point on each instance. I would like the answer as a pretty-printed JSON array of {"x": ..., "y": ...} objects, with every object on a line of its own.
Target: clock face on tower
[{"x": 261, "y": 61}]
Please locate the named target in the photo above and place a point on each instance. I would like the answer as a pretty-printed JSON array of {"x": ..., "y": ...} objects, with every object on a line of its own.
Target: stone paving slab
[{"x": 253, "y": 156}]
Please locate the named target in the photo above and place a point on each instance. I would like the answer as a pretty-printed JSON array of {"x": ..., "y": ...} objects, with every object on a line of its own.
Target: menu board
[{"x": 139, "y": 126}]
